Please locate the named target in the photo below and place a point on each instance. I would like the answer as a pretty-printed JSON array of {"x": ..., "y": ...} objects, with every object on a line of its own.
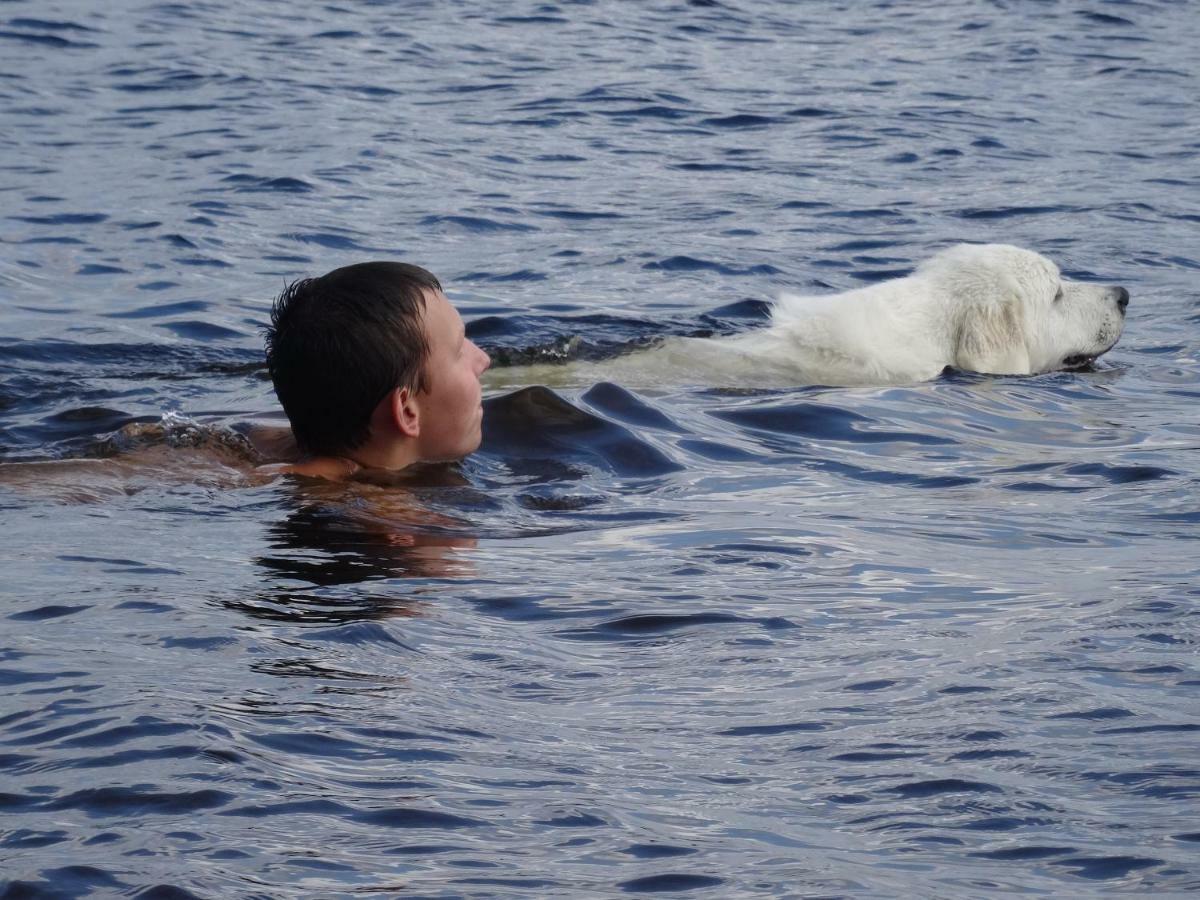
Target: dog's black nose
[{"x": 1122, "y": 299}]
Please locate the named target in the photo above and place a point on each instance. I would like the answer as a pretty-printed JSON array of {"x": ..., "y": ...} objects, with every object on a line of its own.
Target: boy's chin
[{"x": 454, "y": 455}]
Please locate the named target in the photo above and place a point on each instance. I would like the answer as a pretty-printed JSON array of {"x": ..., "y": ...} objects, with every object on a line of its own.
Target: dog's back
[{"x": 887, "y": 332}]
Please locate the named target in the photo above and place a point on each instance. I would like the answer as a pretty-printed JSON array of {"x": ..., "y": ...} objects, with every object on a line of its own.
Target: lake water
[{"x": 936, "y": 640}]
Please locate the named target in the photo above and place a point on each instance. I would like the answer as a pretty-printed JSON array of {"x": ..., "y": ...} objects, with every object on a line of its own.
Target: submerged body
[{"x": 990, "y": 308}]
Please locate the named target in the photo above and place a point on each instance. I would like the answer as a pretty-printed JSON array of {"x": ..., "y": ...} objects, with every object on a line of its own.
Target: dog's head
[{"x": 1014, "y": 314}]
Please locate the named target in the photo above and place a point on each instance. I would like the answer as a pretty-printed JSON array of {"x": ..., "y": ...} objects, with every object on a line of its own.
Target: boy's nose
[{"x": 485, "y": 360}]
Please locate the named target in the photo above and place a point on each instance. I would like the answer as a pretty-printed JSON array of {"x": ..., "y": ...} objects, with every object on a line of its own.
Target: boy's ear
[{"x": 406, "y": 413}]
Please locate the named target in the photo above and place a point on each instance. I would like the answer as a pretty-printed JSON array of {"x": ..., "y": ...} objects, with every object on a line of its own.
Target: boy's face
[{"x": 451, "y": 405}]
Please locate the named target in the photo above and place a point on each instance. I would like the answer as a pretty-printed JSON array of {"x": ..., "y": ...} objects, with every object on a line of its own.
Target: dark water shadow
[{"x": 534, "y": 430}]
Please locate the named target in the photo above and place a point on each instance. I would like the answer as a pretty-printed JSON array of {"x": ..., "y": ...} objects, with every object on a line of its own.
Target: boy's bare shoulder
[
  {"x": 331, "y": 468},
  {"x": 277, "y": 444}
]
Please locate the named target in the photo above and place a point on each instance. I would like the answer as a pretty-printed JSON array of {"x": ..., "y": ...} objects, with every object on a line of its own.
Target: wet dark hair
[{"x": 338, "y": 344}]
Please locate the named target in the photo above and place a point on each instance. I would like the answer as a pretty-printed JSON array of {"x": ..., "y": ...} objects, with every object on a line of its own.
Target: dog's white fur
[{"x": 990, "y": 308}]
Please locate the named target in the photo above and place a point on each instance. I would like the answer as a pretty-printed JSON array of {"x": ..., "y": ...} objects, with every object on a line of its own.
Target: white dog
[{"x": 989, "y": 308}]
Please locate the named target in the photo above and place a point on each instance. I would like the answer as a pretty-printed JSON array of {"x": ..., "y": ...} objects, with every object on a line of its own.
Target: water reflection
[
  {"x": 355, "y": 535},
  {"x": 325, "y": 545}
]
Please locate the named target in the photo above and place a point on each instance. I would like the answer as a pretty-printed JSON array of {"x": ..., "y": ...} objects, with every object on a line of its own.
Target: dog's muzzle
[{"x": 1122, "y": 299}]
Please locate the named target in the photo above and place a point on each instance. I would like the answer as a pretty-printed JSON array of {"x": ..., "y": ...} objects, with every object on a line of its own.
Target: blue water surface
[{"x": 932, "y": 640}]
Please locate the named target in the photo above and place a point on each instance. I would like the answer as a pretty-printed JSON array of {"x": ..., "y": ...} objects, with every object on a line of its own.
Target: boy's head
[{"x": 341, "y": 344}]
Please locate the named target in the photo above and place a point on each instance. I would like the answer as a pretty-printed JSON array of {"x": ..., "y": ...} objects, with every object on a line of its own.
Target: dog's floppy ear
[{"x": 991, "y": 337}]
